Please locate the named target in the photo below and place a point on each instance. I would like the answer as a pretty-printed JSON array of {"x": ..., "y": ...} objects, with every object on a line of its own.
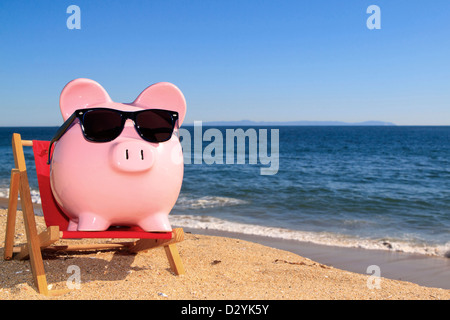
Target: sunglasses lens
[
  {"x": 102, "y": 125},
  {"x": 155, "y": 125}
]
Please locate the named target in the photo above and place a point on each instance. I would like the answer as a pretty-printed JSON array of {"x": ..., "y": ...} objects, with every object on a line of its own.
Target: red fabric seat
[{"x": 54, "y": 216}]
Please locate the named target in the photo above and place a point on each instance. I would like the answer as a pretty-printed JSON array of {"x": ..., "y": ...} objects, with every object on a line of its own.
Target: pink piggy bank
[{"x": 118, "y": 164}]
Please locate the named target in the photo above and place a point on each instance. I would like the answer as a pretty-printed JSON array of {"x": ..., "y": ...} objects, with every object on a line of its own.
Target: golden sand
[{"x": 217, "y": 268}]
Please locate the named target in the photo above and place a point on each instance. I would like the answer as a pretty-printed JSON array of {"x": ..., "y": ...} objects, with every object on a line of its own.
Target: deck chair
[{"x": 57, "y": 222}]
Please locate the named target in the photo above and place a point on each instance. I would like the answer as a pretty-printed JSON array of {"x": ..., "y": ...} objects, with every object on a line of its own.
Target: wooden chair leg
[
  {"x": 176, "y": 264},
  {"x": 37, "y": 265},
  {"x": 34, "y": 248},
  {"x": 12, "y": 211},
  {"x": 169, "y": 246}
]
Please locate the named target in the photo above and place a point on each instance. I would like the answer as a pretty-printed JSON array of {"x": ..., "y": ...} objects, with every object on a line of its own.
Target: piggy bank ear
[
  {"x": 163, "y": 95},
  {"x": 81, "y": 94}
]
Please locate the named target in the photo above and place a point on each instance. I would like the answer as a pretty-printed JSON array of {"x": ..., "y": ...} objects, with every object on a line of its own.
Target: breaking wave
[
  {"x": 322, "y": 238},
  {"x": 35, "y": 196}
]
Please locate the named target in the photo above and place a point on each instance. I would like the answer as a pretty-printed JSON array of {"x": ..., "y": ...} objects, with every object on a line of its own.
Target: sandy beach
[{"x": 217, "y": 268}]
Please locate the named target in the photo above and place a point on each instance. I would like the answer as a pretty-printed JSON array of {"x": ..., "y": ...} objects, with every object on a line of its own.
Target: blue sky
[{"x": 233, "y": 60}]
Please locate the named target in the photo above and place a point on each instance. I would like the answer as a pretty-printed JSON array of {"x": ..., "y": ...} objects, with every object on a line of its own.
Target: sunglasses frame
[{"x": 125, "y": 115}]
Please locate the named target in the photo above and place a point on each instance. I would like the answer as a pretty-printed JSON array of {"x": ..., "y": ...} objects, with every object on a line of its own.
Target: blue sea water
[{"x": 356, "y": 186}]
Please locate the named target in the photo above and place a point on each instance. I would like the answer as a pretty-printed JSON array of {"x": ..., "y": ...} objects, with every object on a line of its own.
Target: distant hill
[{"x": 294, "y": 123}]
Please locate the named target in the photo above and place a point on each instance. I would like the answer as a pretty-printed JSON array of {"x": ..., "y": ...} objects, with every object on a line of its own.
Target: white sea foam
[
  {"x": 207, "y": 202},
  {"x": 35, "y": 195},
  {"x": 323, "y": 238}
]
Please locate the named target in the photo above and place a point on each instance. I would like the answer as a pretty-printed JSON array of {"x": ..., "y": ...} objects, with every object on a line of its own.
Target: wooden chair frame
[{"x": 44, "y": 241}]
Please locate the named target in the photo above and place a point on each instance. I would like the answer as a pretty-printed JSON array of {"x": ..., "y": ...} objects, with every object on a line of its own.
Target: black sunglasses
[{"x": 104, "y": 125}]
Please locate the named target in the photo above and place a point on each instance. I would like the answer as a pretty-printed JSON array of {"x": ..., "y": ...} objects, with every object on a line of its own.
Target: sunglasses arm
[{"x": 60, "y": 133}]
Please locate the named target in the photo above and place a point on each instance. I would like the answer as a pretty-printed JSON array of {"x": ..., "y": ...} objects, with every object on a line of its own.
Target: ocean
[{"x": 371, "y": 187}]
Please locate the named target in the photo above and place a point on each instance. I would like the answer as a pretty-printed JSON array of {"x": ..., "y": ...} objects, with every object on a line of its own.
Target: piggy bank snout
[{"x": 132, "y": 156}]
